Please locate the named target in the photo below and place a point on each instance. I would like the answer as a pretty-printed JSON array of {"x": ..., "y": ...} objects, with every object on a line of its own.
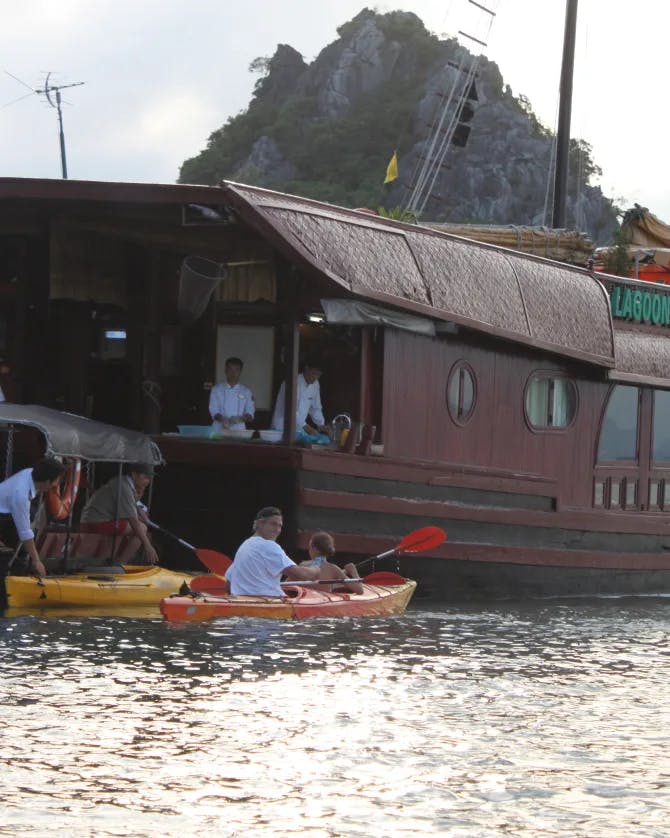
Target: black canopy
[{"x": 69, "y": 435}]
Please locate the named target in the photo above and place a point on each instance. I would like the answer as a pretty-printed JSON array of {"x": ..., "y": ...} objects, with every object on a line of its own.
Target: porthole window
[
  {"x": 461, "y": 392},
  {"x": 551, "y": 401}
]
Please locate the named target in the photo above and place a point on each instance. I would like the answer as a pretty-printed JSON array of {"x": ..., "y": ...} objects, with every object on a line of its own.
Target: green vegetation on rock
[{"x": 328, "y": 129}]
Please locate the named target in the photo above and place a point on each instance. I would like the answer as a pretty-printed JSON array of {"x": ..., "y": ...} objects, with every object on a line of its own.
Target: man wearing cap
[
  {"x": 260, "y": 562},
  {"x": 308, "y": 401},
  {"x": 113, "y": 508}
]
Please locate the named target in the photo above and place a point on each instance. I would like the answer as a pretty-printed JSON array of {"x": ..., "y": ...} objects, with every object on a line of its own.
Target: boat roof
[
  {"x": 69, "y": 435},
  {"x": 523, "y": 298},
  {"x": 515, "y": 296}
]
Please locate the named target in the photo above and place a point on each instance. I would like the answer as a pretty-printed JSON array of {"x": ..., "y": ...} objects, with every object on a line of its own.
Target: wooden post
[
  {"x": 151, "y": 389},
  {"x": 564, "y": 115},
  {"x": 365, "y": 395},
  {"x": 288, "y": 283},
  {"x": 291, "y": 386}
]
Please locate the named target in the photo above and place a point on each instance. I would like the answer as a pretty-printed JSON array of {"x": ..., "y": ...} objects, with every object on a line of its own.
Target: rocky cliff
[{"x": 328, "y": 129}]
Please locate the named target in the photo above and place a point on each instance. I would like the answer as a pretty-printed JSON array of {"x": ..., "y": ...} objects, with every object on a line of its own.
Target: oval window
[
  {"x": 461, "y": 392},
  {"x": 551, "y": 401}
]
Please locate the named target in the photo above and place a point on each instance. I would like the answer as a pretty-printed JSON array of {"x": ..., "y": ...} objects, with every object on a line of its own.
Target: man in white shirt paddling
[
  {"x": 308, "y": 402},
  {"x": 260, "y": 562},
  {"x": 16, "y": 495},
  {"x": 231, "y": 404}
]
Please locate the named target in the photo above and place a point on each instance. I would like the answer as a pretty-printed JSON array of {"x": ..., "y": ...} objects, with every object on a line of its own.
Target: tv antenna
[{"x": 48, "y": 91}]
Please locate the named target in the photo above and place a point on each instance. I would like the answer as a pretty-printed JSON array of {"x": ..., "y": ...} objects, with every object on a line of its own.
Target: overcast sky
[{"x": 161, "y": 75}]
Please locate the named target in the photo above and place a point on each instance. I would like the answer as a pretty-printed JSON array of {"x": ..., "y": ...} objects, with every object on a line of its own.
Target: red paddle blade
[
  {"x": 384, "y": 577},
  {"x": 209, "y": 585},
  {"x": 424, "y": 539},
  {"x": 216, "y": 562}
]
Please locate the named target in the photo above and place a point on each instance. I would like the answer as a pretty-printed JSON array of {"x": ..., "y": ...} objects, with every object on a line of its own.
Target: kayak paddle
[
  {"x": 384, "y": 577},
  {"x": 417, "y": 541},
  {"x": 216, "y": 562},
  {"x": 208, "y": 585}
]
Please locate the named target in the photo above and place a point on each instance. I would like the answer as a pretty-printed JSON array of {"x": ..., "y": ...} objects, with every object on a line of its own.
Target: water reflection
[{"x": 531, "y": 720}]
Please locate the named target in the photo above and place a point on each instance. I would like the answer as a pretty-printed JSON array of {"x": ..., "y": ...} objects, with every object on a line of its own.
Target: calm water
[{"x": 517, "y": 720}]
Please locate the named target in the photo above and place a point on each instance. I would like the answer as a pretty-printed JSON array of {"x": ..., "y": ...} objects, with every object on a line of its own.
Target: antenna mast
[{"x": 48, "y": 89}]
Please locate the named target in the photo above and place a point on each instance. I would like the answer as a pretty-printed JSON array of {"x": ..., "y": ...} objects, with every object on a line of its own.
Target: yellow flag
[{"x": 392, "y": 168}]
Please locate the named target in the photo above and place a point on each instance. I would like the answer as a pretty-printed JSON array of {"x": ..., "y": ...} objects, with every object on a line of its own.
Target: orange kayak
[{"x": 300, "y": 602}]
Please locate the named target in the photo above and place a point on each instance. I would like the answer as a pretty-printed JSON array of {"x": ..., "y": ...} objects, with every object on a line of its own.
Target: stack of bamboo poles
[{"x": 569, "y": 246}]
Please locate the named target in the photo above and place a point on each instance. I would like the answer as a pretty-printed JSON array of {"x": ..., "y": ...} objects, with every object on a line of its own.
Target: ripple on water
[{"x": 536, "y": 720}]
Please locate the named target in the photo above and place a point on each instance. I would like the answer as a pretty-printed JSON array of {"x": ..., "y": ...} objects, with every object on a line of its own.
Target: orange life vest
[{"x": 60, "y": 499}]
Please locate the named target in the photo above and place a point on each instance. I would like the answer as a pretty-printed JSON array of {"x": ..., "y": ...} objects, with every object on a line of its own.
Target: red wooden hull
[{"x": 299, "y": 604}]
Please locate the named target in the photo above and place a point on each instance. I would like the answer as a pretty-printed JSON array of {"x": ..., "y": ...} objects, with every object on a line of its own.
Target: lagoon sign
[{"x": 640, "y": 306}]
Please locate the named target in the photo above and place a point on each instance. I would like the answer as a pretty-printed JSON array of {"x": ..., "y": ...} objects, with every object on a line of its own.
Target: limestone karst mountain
[{"x": 327, "y": 130}]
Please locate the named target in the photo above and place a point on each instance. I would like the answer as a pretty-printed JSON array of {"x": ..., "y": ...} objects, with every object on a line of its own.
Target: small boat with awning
[
  {"x": 384, "y": 595},
  {"x": 85, "y": 569}
]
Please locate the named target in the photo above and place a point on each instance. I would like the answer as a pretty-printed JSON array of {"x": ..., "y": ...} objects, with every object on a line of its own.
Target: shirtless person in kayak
[
  {"x": 260, "y": 562},
  {"x": 321, "y": 552}
]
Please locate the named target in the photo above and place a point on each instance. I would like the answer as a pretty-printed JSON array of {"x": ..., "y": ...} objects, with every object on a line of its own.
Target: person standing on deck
[
  {"x": 231, "y": 404},
  {"x": 308, "y": 402},
  {"x": 260, "y": 562},
  {"x": 16, "y": 496},
  {"x": 113, "y": 509}
]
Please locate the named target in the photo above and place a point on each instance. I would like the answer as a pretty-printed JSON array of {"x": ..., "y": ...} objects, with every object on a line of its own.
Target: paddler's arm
[
  {"x": 20, "y": 512},
  {"x": 141, "y": 532},
  {"x": 301, "y": 573},
  {"x": 35, "y": 562}
]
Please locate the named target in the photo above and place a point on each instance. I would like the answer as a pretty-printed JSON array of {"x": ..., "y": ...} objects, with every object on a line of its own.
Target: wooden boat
[
  {"x": 130, "y": 585},
  {"x": 301, "y": 602},
  {"x": 521, "y": 404}
]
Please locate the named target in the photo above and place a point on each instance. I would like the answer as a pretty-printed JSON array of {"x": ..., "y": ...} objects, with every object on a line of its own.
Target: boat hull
[
  {"x": 137, "y": 585},
  {"x": 299, "y": 604}
]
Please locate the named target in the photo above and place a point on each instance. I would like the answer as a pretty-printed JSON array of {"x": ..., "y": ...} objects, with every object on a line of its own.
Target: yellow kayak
[{"x": 134, "y": 585}]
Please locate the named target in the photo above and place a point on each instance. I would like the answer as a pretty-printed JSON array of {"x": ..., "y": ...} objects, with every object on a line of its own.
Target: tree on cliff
[{"x": 326, "y": 130}]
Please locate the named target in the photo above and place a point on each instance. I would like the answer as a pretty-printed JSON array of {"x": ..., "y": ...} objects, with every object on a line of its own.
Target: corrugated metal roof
[{"x": 511, "y": 295}]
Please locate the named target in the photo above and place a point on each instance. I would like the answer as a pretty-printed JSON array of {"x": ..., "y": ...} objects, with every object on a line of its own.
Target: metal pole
[
  {"x": 564, "y": 114},
  {"x": 63, "y": 161}
]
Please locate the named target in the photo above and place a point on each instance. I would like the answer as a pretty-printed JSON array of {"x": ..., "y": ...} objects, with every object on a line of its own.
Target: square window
[
  {"x": 599, "y": 494},
  {"x": 615, "y": 493}
]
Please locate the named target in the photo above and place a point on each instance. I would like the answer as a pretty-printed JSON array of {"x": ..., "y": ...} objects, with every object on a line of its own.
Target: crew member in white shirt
[
  {"x": 16, "y": 493},
  {"x": 260, "y": 562},
  {"x": 231, "y": 404},
  {"x": 308, "y": 402}
]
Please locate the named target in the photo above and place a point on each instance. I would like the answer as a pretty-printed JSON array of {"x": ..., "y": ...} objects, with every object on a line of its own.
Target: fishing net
[{"x": 198, "y": 278}]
